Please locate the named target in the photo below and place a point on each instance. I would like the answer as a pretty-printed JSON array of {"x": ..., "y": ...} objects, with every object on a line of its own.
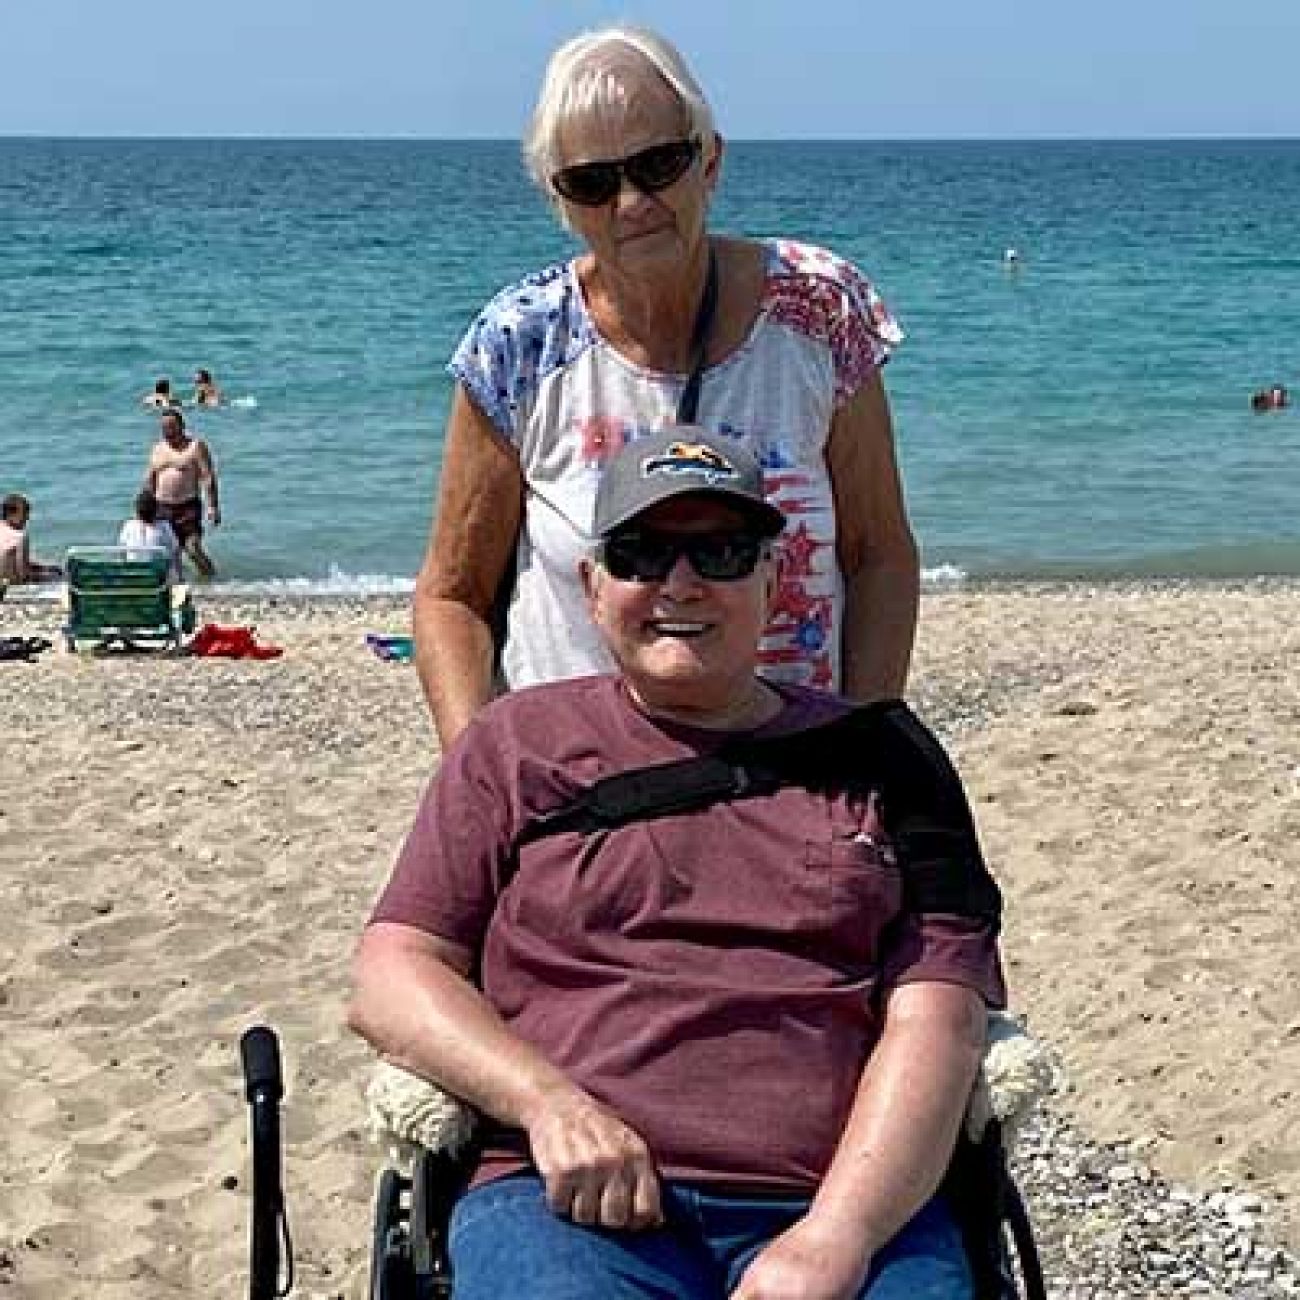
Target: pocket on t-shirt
[{"x": 858, "y": 879}]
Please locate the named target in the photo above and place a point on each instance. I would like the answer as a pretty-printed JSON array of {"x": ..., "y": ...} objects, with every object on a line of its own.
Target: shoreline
[
  {"x": 192, "y": 845},
  {"x": 261, "y": 595}
]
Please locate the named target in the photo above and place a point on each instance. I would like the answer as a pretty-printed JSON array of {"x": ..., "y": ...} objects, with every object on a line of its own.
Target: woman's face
[
  {"x": 637, "y": 232},
  {"x": 684, "y": 643}
]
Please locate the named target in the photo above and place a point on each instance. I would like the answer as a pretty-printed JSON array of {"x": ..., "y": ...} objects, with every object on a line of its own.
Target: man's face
[
  {"x": 683, "y": 641},
  {"x": 173, "y": 431}
]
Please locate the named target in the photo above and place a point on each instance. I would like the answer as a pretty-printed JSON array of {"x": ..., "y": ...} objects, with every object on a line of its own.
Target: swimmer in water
[
  {"x": 1270, "y": 399},
  {"x": 161, "y": 398},
  {"x": 206, "y": 392}
]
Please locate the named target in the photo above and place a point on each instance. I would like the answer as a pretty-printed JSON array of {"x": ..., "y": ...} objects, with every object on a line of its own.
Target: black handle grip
[{"x": 259, "y": 1051}]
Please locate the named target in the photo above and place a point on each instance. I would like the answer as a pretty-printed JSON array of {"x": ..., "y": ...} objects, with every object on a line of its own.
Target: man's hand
[
  {"x": 807, "y": 1262},
  {"x": 214, "y": 516},
  {"x": 597, "y": 1171}
]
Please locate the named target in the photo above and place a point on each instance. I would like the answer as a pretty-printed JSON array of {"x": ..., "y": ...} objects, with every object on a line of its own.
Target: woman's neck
[{"x": 648, "y": 318}]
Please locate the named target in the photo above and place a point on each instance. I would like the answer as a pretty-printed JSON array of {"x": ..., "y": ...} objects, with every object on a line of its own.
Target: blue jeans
[{"x": 505, "y": 1241}]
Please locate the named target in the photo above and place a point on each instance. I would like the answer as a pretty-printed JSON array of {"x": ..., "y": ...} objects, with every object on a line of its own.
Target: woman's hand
[
  {"x": 597, "y": 1171},
  {"x": 809, "y": 1261}
]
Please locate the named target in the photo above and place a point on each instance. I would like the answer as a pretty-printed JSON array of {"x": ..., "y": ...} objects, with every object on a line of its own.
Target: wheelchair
[
  {"x": 409, "y": 1259},
  {"x": 409, "y": 1249}
]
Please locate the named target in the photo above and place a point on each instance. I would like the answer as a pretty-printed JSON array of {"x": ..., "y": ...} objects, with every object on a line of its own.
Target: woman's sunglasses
[
  {"x": 593, "y": 184},
  {"x": 650, "y": 557}
]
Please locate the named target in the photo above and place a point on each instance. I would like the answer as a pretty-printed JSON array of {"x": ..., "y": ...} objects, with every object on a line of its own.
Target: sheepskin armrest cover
[{"x": 407, "y": 1112}]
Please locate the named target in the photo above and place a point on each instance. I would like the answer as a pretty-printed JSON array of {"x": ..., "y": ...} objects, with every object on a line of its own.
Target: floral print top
[{"x": 566, "y": 400}]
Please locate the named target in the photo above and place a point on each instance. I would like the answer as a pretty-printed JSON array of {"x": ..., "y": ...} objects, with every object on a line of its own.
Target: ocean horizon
[{"x": 1082, "y": 411}]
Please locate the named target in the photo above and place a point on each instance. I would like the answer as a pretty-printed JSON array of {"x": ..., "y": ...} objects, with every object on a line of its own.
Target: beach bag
[{"x": 22, "y": 649}]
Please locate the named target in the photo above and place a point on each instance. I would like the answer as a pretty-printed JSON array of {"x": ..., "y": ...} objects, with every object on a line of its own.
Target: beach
[{"x": 191, "y": 846}]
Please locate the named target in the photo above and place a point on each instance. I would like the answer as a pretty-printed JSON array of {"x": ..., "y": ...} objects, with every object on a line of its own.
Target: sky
[{"x": 773, "y": 69}]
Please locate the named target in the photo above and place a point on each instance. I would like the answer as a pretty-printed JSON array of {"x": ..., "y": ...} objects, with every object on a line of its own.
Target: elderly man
[
  {"x": 736, "y": 1034},
  {"x": 16, "y": 563}
]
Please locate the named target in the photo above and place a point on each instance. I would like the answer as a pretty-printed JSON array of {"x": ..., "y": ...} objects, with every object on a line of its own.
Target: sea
[{"x": 1086, "y": 322}]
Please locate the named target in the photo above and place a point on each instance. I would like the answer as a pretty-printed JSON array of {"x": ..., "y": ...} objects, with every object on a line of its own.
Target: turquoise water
[{"x": 1085, "y": 414}]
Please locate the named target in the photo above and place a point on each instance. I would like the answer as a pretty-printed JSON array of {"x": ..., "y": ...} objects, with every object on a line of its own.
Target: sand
[{"x": 189, "y": 846}]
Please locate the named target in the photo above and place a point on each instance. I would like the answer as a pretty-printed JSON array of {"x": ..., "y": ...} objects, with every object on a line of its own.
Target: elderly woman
[
  {"x": 776, "y": 344},
  {"x": 736, "y": 1038}
]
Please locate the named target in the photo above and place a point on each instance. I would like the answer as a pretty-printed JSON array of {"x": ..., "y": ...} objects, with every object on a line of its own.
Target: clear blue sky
[{"x": 773, "y": 68}]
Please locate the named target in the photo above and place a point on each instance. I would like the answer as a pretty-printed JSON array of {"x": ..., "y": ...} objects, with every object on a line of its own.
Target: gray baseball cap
[{"x": 682, "y": 460}]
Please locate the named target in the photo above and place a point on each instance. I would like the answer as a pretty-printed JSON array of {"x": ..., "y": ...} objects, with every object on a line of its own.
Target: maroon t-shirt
[{"x": 714, "y": 977}]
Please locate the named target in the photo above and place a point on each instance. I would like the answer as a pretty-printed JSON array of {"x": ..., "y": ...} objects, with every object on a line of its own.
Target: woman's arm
[
  {"x": 474, "y": 535},
  {"x": 894, "y": 1150},
  {"x": 413, "y": 1002},
  {"x": 875, "y": 547}
]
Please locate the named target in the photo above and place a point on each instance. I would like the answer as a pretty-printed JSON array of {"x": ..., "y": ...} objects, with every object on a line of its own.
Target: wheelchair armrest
[
  {"x": 408, "y": 1114},
  {"x": 1017, "y": 1073}
]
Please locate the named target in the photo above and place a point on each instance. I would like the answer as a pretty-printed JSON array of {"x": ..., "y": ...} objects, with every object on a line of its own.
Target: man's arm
[
  {"x": 874, "y": 545},
  {"x": 475, "y": 532},
  {"x": 413, "y": 1002},
  {"x": 894, "y": 1150},
  {"x": 208, "y": 477}
]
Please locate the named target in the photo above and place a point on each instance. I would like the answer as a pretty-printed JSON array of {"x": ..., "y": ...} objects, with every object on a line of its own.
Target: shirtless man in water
[{"x": 180, "y": 470}]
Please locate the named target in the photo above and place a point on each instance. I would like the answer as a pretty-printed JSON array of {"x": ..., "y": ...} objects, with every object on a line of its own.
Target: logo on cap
[{"x": 690, "y": 458}]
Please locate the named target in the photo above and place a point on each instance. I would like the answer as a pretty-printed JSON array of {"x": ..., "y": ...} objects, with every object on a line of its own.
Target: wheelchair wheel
[
  {"x": 1024, "y": 1248},
  {"x": 392, "y": 1273}
]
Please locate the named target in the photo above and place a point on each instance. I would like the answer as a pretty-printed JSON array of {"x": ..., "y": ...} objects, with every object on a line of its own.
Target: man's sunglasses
[
  {"x": 642, "y": 556},
  {"x": 593, "y": 184}
]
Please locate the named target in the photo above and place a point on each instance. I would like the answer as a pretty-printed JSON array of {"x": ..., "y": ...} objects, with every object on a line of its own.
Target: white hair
[{"x": 586, "y": 74}]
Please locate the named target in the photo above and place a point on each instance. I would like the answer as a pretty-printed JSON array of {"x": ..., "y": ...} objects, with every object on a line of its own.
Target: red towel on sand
[{"x": 214, "y": 641}]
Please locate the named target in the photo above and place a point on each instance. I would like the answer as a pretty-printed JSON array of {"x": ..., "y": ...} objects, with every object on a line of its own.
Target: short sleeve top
[
  {"x": 534, "y": 363},
  {"x": 694, "y": 971}
]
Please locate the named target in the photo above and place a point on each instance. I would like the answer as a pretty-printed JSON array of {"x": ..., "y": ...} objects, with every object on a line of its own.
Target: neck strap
[{"x": 689, "y": 404}]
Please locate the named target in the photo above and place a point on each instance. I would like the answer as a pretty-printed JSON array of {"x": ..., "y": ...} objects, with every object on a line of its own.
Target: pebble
[{"x": 1110, "y": 1228}]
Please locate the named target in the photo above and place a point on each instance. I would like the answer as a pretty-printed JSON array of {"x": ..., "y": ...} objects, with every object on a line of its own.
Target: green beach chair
[{"x": 126, "y": 594}]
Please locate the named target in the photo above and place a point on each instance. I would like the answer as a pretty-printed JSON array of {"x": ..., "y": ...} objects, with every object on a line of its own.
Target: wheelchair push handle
[{"x": 259, "y": 1053}]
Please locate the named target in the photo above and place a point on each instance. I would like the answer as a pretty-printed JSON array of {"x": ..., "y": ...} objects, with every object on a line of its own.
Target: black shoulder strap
[
  {"x": 648, "y": 792},
  {"x": 878, "y": 746},
  {"x": 689, "y": 405}
]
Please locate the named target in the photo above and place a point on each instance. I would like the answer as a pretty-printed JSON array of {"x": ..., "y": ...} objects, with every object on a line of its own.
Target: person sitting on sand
[
  {"x": 737, "y": 1044},
  {"x": 206, "y": 392},
  {"x": 146, "y": 531},
  {"x": 16, "y": 563},
  {"x": 161, "y": 398},
  {"x": 180, "y": 470}
]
